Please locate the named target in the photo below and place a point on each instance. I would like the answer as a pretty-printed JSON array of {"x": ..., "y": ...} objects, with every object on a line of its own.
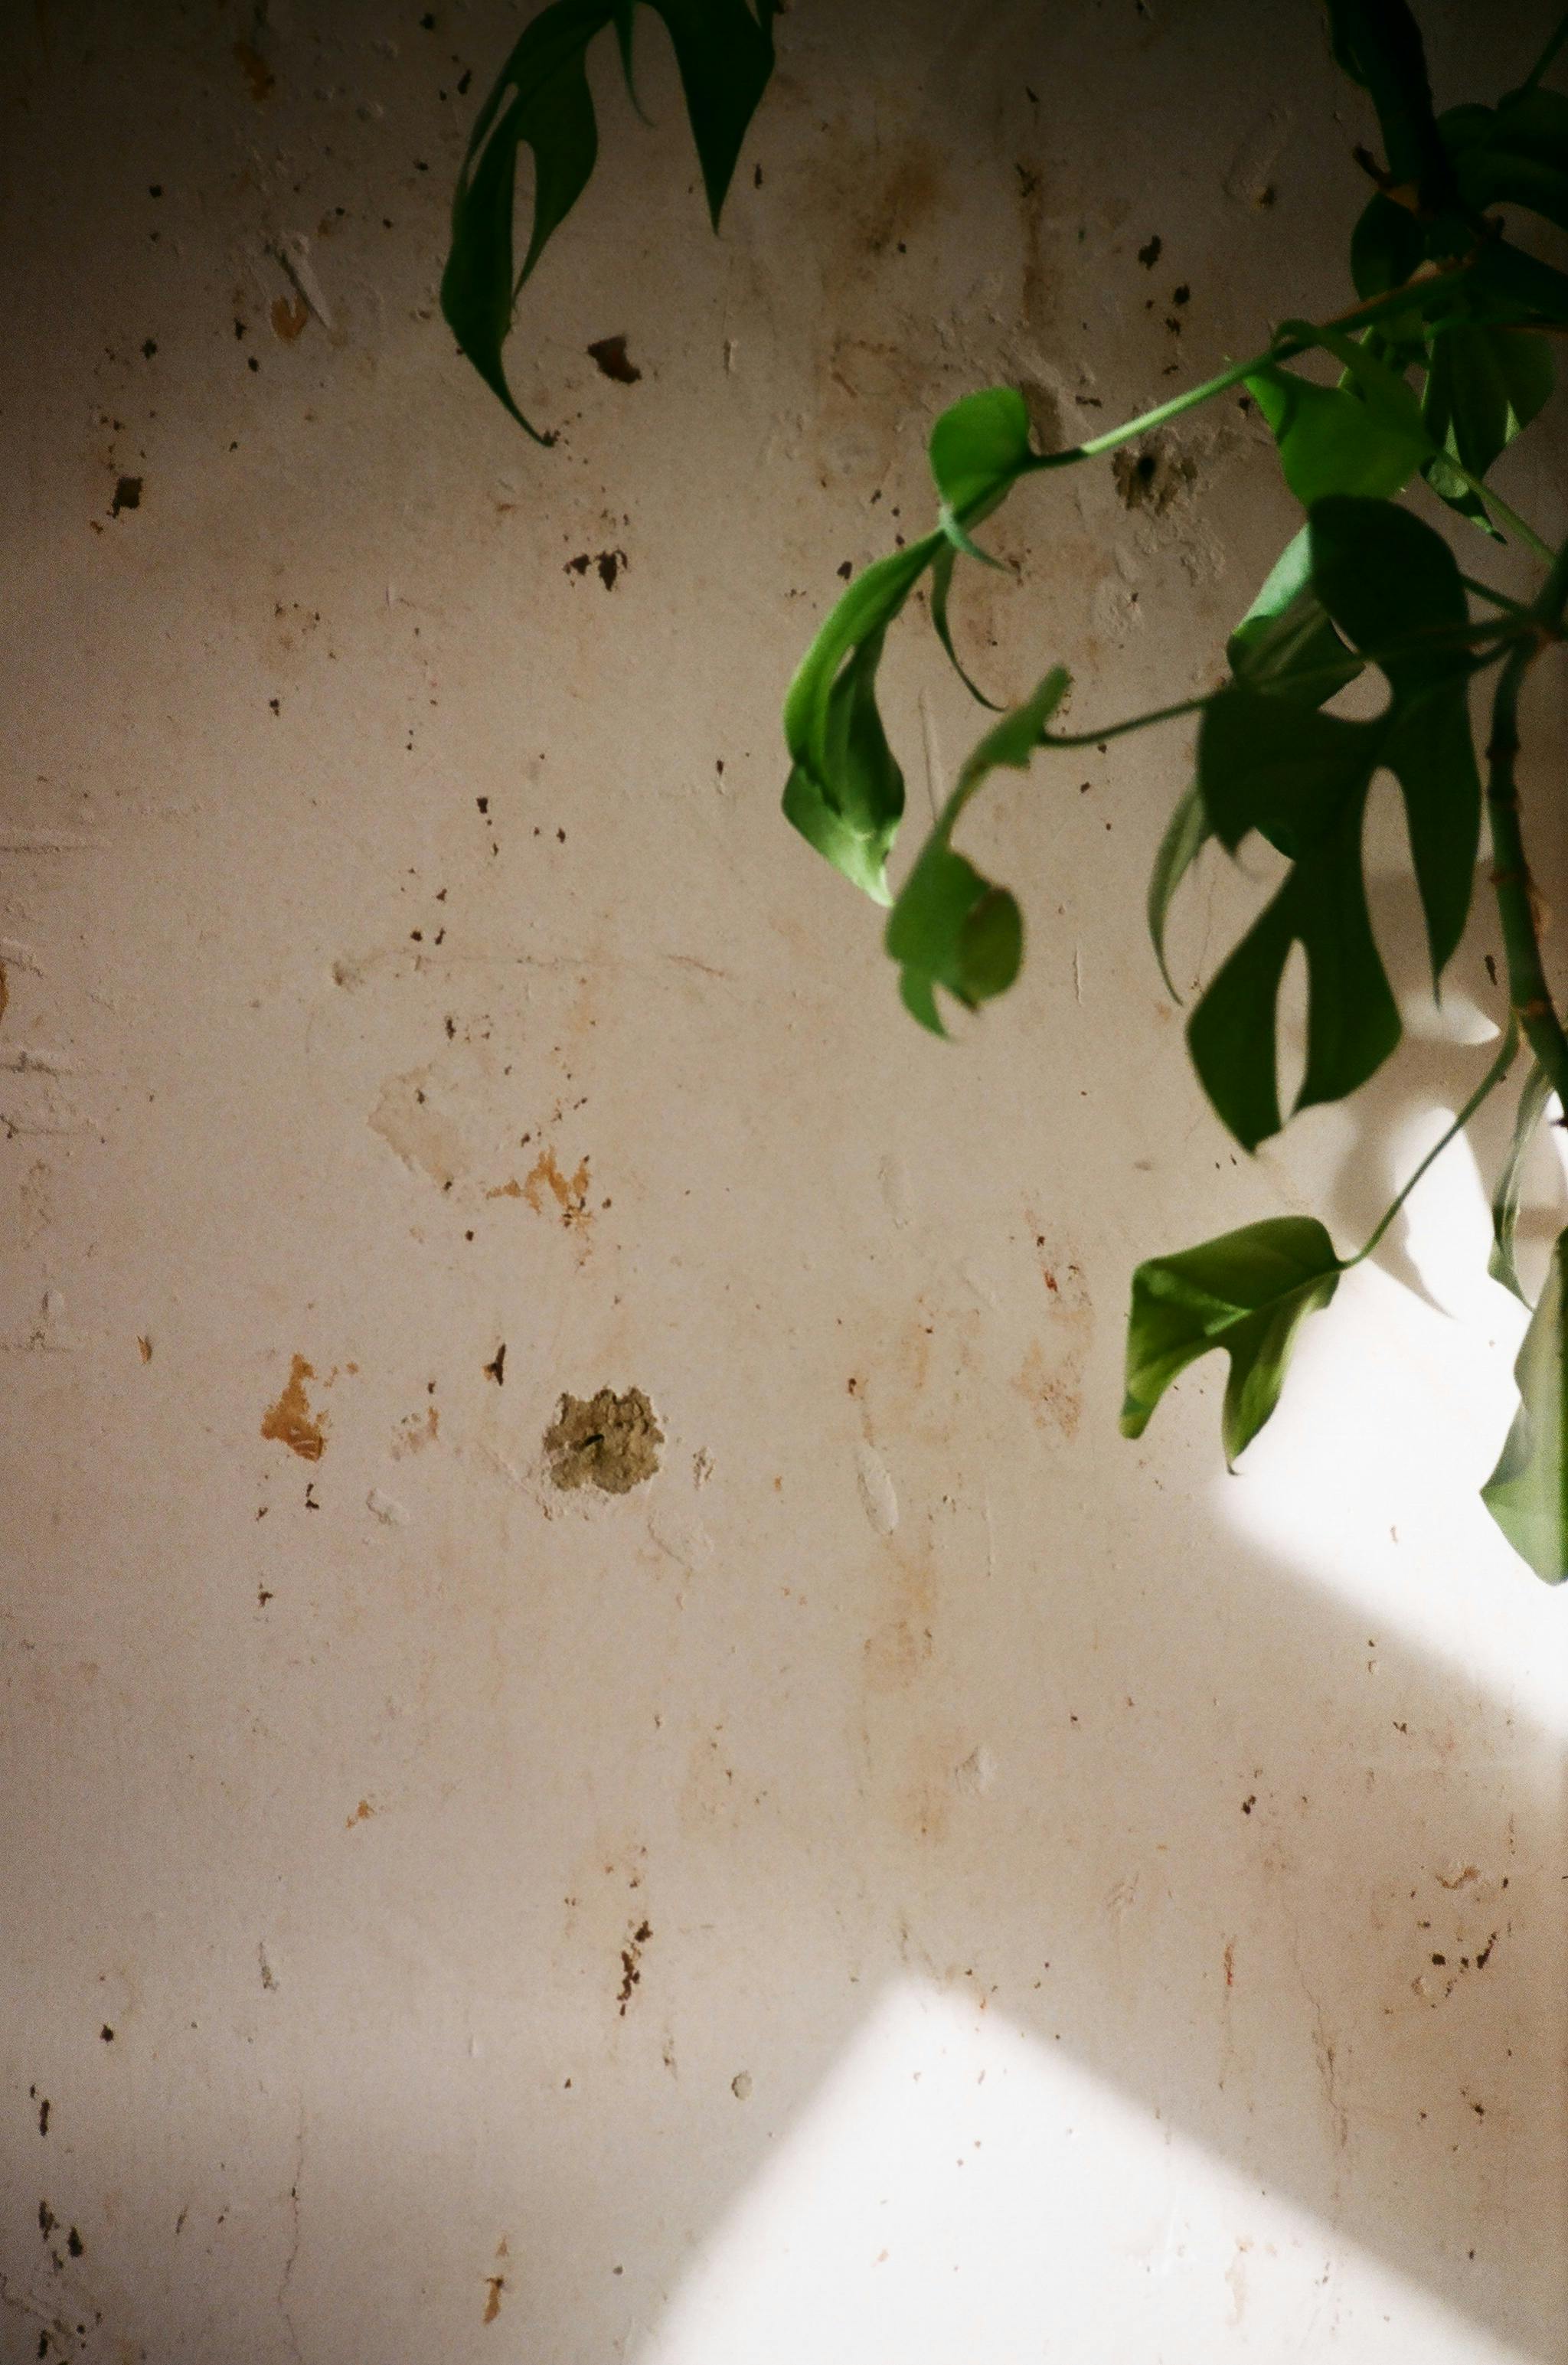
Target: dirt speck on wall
[{"x": 608, "y": 1441}]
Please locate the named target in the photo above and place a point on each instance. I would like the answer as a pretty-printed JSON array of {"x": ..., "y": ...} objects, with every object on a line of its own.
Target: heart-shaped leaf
[
  {"x": 1302, "y": 778},
  {"x": 1247, "y": 1292},
  {"x": 1365, "y": 437},
  {"x": 1528, "y": 1492},
  {"x": 950, "y": 927}
]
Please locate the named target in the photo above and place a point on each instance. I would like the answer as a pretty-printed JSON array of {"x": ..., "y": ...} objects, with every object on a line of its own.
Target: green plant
[{"x": 1442, "y": 360}]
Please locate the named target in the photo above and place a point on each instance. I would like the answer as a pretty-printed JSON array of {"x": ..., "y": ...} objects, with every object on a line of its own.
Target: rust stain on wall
[
  {"x": 569, "y": 1192},
  {"x": 291, "y": 1422}
]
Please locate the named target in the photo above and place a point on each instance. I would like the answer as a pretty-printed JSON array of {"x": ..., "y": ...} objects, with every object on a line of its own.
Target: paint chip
[{"x": 606, "y": 1441}]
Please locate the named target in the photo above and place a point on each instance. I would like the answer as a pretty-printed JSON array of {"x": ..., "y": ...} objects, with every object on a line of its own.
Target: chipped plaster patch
[{"x": 607, "y": 1440}]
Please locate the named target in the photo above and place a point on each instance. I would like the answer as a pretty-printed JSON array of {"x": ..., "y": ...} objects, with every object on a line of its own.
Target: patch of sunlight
[{"x": 959, "y": 2192}]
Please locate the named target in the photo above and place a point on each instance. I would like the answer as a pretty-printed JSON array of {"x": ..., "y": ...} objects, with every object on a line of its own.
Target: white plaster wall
[{"x": 1035, "y": 1853}]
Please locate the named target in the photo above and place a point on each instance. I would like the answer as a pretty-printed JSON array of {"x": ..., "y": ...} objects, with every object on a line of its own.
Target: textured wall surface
[{"x": 910, "y": 1877}]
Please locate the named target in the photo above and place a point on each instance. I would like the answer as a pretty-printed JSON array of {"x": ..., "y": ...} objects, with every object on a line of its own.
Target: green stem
[
  {"x": 1281, "y": 349},
  {"x": 1547, "y": 55},
  {"x": 1314, "y": 676},
  {"x": 1489, "y": 1083}
]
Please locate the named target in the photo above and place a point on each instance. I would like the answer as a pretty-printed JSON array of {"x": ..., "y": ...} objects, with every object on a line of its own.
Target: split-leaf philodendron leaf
[
  {"x": 1300, "y": 778},
  {"x": 1528, "y": 1492},
  {"x": 1247, "y": 1292},
  {"x": 541, "y": 100}
]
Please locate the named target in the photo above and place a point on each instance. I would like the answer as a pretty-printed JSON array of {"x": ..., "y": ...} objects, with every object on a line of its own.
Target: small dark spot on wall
[
  {"x": 1149, "y": 255},
  {"x": 496, "y": 1368},
  {"x": 464, "y": 80},
  {"x": 846, "y": 570},
  {"x": 613, "y": 361},
  {"x": 74, "y": 2243},
  {"x": 128, "y": 494},
  {"x": 1153, "y": 478},
  {"x": 47, "y": 2220},
  {"x": 105, "y": 2033},
  {"x": 43, "y": 2115},
  {"x": 148, "y": 347},
  {"x": 1247, "y": 1804}
]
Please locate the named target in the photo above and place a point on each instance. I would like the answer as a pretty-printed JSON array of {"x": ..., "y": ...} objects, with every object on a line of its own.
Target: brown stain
[
  {"x": 1050, "y": 1379},
  {"x": 144, "y": 1347},
  {"x": 1230, "y": 1962},
  {"x": 494, "y": 2287},
  {"x": 569, "y": 1192},
  {"x": 361, "y": 1814},
  {"x": 631, "y": 1964},
  {"x": 901, "y": 1644},
  {"x": 611, "y": 356},
  {"x": 291, "y": 1422},
  {"x": 5, "y": 990},
  {"x": 513, "y": 1190},
  {"x": 415, "y": 1432},
  {"x": 289, "y": 318},
  {"x": 255, "y": 69}
]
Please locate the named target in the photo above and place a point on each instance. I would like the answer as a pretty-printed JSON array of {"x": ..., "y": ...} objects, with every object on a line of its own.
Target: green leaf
[
  {"x": 1385, "y": 247},
  {"x": 1287, "y": 644},
  {"x": 1483, "y": 385},
  {"x": 1503, "y": 274},
  {"x": 724, "y": 51},
  {"x": 1378, "y": 44},
  {"x": 1366, "y": 438},
  {"x": 1247, "y": 1292},
  {"x": 950, "y": 927},
  {"x": 942, "y": 567},
  {"x": 1528, "y": 1492},
  {"x": 845, "y": 793},
  {"x": 541, "y": 101},
  {"x": 1533, "y": 1100},
  {"x": 1302, "y": 778},
  {"x": 1513, "y": 154},
  {"x": 978, "y": 449},
  {"x": 1187, "y": 833}
]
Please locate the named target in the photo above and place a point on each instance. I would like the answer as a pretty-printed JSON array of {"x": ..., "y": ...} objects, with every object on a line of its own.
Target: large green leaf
[
  {"x": 1364, "y": 438},
  {"x": 1301, "y": 779},
  {"x": 541, "y": 101},
  {"x": 1247, "y": 1292},
  {"x": 950, "y": 927},
  {"x": 1483, "y": 385},
  {"x": 978, "y": 449},
  {"x": 1378, "y": 44},
  {"x": 1528, "y": 1492},
  {"x": 1513, "y": 154},
  {"x": 1286, "y": 643},
  {"x": 845, "y": 793},
  {"x": 1500, "y": 1264}
]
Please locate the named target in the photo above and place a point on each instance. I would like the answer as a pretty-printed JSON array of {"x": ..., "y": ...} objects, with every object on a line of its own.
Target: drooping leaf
[
  {"x": 541, "y": 101},
  {"x": 1378, "y": 44},
  {"x": 942, "y": 567},
  {"x": 979, "y": 447},
  {"x": 1247, "y": 1292},
  {"x": 1513, "y": 154},
  {"x": 1366, "y": 438},
  {"x": 1302, "y": 778},
  {"x": 1533, "y": 1100},
  {"x": 1483, "y": 385},
  {"x": 845, "y": 793},
  {"x": 1285, "y": 643},
  {"x": 1528, "y": 1492},
  {"x": 950, "y": 927}
]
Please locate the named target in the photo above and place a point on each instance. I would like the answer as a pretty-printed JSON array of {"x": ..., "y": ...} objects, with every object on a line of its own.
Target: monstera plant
[{"x": 1440, "y": 356}]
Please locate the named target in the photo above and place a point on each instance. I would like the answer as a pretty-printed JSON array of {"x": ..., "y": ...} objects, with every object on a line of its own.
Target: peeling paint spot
[
  {"x": 415, "y": 1130},
  {"x": 144, "y": 1347},
  {"x": 1153, "y": 476},
  {"x": 977, "y": 1772},
  {"x": 740, "y": 2085},
  {"x": 607, "y": 1440},
  {"x": 382, "y": 1508},
  {"x": 291, "y": 1422}
]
